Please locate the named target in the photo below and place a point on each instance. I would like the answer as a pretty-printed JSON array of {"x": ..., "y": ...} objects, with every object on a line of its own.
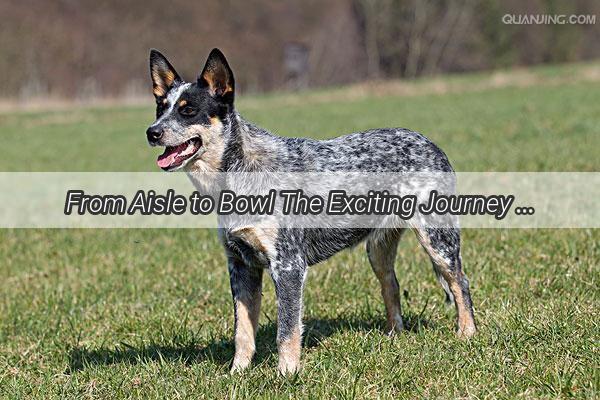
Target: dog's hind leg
[
  {"x": 246, "y": 288},
  {"x": 381, "y": 249},
  {"x": 443, "y": 247}
]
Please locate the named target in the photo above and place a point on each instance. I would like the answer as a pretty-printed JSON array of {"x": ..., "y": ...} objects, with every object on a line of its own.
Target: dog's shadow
[{"x": 220, "y": 351}]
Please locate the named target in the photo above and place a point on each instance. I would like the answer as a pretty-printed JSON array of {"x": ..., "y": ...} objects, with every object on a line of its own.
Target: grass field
[{"x": 147, "y": 313}]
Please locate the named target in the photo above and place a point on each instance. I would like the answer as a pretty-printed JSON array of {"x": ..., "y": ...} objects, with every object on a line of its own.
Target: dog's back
[{"x": 378, "y": 150}]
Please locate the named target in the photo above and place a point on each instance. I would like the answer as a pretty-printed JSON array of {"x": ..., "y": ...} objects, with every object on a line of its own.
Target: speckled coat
[{"x": 231, "y": 144}]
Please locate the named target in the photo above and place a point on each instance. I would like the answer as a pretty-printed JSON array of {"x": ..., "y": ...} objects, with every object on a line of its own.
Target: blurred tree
[{"x": 70, "y": 48}]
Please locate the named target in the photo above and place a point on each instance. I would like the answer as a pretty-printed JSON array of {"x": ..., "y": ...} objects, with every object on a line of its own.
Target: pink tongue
[
  {"x": 164, "y": 160},
  {"x": 168, "y": 158}
]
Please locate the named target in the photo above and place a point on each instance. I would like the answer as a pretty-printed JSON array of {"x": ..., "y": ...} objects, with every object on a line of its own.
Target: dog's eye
[{"x": 188, "y": 111}]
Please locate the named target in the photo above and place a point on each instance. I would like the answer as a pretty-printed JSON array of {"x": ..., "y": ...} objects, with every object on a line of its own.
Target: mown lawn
[{"x": 147, "y": 313}]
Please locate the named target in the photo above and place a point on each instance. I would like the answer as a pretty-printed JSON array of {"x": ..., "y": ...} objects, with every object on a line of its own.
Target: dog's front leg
[
  {"x": 289, "y": 282},
  {"x": 246, "y": 288}
]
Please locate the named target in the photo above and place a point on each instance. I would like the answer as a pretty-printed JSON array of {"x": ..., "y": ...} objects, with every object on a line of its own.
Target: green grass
[{"x": 147, "y": 313}]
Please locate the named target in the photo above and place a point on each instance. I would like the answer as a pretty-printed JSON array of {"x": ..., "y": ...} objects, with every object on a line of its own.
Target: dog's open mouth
[{"x": 176, "y": 156}]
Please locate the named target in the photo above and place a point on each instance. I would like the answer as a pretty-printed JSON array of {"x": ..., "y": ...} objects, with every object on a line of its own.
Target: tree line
[{"x": 86, "y": 49}]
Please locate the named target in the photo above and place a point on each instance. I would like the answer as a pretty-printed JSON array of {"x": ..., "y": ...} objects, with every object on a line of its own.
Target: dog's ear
[
  {"x": 163, "y": 74},
  {"x": 218, "y": 77}
]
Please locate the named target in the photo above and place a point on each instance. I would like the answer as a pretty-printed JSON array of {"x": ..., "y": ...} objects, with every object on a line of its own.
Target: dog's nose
[{"x": 154, "y": 133}]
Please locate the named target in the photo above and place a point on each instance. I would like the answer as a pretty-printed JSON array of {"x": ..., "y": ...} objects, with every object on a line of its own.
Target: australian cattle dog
[{"x": 201, "y": 131}]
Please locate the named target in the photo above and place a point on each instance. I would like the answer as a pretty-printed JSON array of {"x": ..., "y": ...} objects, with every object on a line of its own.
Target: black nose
[{"x": 154, "y": 133}]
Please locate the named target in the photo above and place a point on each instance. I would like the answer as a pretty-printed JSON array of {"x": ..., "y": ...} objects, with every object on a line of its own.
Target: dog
[{"x": 201, "y": 131}]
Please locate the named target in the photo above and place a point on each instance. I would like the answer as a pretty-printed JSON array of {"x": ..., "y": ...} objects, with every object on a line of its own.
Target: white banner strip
[{"x": 300, "y": 200}]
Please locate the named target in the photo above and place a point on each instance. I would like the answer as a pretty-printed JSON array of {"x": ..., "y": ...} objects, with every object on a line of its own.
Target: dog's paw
[
  {"x": 395, "y": 326},
  {"x": 288, "y": 367},
  {"x": 239, "y": 364},
  {"x": 466, "y": 332}
]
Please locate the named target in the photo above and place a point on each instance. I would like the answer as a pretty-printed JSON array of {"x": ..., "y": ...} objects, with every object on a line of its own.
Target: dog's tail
[{"x": 442, "y": 281}]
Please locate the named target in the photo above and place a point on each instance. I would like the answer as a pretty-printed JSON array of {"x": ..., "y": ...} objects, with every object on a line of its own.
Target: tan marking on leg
[
  {"x": 426, "y": 243},
  {"x": 261, "y": 239},
  {"x": 253, "y": 237},
  {"x": 391, "y": 298},
  {"x": 289, "y": 353},
  {"x": 382, "y": 253},
  {"x": 246, "y": 325},
  {"x": 465, "y": 322}
]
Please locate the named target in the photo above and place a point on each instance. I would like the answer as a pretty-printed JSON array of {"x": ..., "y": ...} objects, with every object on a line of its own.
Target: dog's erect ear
[
  {"x": 218, "y": 77},
  {"x": 163, "y": 74}
]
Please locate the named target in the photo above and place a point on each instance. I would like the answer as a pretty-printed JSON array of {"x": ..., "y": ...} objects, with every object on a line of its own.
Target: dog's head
[{"x": 189, "y": 116}]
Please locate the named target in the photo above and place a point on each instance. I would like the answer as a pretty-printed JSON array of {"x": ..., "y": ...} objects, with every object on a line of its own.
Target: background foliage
[{"x": 90, "y": 49}]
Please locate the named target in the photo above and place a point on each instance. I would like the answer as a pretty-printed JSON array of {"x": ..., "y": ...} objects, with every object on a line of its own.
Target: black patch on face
[{"x": 194, "y": 106}]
